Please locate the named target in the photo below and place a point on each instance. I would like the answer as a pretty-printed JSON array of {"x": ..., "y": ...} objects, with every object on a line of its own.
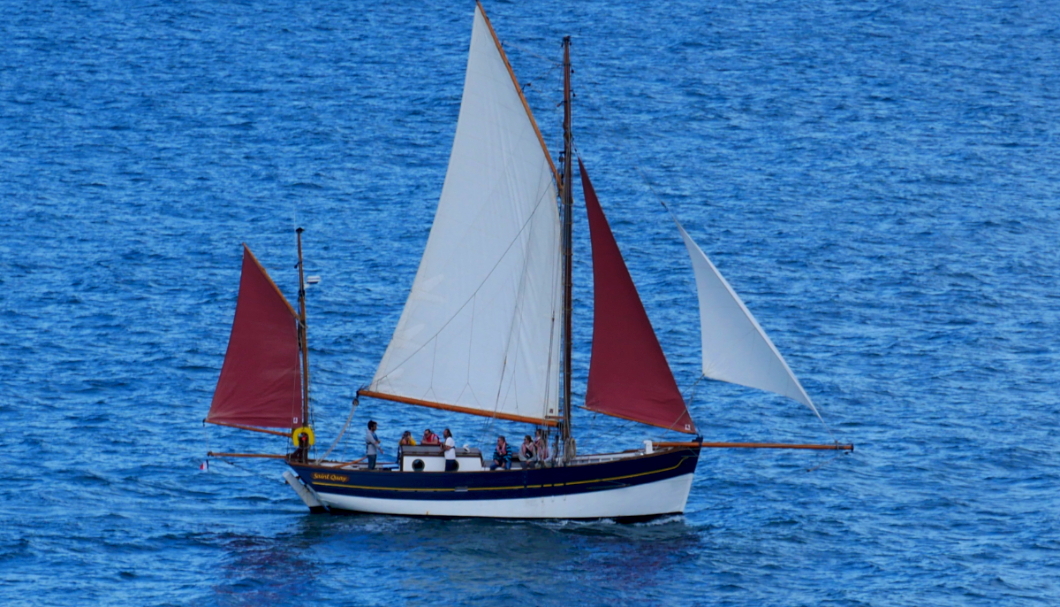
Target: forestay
[
  {"x": 735, "y": 348},
  {"x": 480, "y": 329}
]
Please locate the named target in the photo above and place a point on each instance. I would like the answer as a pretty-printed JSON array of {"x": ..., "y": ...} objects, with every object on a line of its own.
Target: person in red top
[
  {"x": 430, "y": 438},
  {"x": 502, "y": 455}
]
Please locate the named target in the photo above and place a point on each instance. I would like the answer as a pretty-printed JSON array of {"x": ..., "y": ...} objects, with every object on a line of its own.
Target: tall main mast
[{"x": 567, "y": 203}]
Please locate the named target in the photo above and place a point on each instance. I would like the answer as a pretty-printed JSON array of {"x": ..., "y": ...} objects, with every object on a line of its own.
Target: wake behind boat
[{"x": 486, "y": 331}]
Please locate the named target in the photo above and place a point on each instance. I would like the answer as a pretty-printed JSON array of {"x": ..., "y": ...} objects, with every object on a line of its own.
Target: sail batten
[
  {"x": 260, "y": 382},
  {"x": 478, "y": 329},
  {"x": 629, "y": 376},
  {"x": 735, "y": 347}
]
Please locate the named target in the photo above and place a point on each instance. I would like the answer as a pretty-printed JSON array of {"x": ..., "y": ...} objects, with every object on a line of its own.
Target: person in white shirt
[{"x": 449, "y": 448}]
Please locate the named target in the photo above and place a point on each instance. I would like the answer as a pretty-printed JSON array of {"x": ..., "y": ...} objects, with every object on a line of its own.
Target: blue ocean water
[{"x": 878, "y": 180}]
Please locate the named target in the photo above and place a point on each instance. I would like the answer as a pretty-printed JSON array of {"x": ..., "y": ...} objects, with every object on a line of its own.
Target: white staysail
[
  {"x": 735, "y": 348},
  {"x": 480, "y": 330}
]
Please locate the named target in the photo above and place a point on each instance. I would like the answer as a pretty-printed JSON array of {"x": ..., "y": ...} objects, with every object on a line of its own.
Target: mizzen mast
[
  {"x": 302, "y": 341},
  {"x": 567, "y": 204}
]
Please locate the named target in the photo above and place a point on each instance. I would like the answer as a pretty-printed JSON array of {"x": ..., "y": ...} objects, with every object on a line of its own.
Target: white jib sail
[
  {"x": 735, "y": 348},
  {"x": 481, "y": 327}
]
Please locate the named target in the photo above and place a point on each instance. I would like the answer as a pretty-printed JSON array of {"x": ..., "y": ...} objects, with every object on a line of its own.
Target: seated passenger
[
  {"x": 301, "y": 454},
  {"x": 406, "y": 441},
  {"x": 540, "y": 448},
  {"x": 430, "y": 438},
  {"x": 502, "y": 455},
  {"x": 526, "y": 451}
]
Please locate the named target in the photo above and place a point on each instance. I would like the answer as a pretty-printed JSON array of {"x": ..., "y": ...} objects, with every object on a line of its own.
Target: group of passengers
[
  {"x": 373, "y": 447},
  {"x": 430, "y": 438},
  {"x": 533, "y": 453}
]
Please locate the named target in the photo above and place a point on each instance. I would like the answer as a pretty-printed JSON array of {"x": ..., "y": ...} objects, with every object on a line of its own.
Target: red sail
[
  {"x": 628, "y": 375},
  {"x": 260, "y": 383}
]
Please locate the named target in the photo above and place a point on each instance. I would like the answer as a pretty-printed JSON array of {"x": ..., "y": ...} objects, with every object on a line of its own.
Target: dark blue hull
[{"x": 639, "y": 486}]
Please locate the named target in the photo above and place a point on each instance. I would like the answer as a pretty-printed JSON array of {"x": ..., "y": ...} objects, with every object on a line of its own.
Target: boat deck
[{"x": 429, "y": 458}]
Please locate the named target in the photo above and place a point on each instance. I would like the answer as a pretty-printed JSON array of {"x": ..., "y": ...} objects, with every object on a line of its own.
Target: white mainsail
[
  {"x": 735, "y": 348},
  {"x": 480, "y": 330}
]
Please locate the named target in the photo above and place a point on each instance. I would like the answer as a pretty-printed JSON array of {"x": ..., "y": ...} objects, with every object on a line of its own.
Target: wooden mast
[
  {"x": 567, "y": 202},
  {"x": 302, "y": 337}
]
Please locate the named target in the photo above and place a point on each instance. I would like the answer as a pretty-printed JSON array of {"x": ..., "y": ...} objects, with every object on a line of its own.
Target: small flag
[{"x": 205, "y": 466}]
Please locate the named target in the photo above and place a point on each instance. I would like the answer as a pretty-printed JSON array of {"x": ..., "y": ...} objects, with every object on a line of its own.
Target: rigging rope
[
  {"x": 522, "y": 49},
  {"x": 244, "y": 469},
  {"x": 353, "y": 409},
  {"x": 474, "y": 294},
  {"x": 692, "y": 388}
]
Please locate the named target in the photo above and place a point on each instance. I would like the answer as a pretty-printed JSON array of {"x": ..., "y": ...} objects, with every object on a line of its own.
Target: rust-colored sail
[
  {"x": 260, "y": 383},
  {"x": 628, "y": 374}
]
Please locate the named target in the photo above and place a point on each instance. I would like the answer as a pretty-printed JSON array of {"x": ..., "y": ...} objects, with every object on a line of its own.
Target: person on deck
[
  {"x": 371, "y": 443},
  {"x": 430, "y": 438},
  {"x": 406, "y": 441},
  {"x": 540, "y": 447},
  {"x": 526, "y": 451},
  {"x": 449, "y": 448},
  {"x": 301, "y": 454},
  {"x": 502, "y": 455}
]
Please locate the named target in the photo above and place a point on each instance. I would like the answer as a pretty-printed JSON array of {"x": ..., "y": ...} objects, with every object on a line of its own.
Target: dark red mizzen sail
[
  {"x": 260, "y": 383},
  {"x": 628, "y": 374}
]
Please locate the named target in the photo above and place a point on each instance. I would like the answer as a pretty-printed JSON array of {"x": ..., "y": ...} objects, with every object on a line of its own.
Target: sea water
[{"x": 878, "y": 180}]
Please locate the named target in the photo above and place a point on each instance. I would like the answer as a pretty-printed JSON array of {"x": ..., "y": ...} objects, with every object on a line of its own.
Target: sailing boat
[{"x": 486, "y": 331}]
